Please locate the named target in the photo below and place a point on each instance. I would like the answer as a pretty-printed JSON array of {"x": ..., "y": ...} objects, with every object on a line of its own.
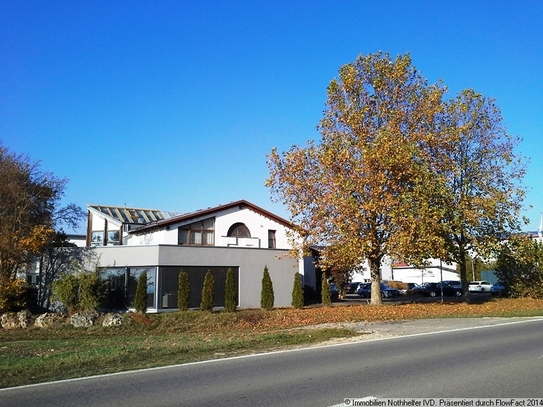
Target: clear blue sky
[{"x": 174, "y": 104}]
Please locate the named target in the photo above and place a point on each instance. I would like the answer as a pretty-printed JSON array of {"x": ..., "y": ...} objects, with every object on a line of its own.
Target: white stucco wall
[{"x": 257, "y": 224}]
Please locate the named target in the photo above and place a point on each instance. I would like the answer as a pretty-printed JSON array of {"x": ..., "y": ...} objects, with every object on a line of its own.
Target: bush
[
  {"x": 90, "y": 291},
  {"x": 267, "y": 297},
  {"x": 208, "y": 293},
  {"x": 520, "y": 267},
  {"x": 297, "y": 292},
  {"x": 183, "y": 292},
  {"x": 78, "y": 292},
  {"x": 230, "y": 292},
  {"x": 12, "y": 294},
  {"x": 325, "y": 291},
  {"x": 65, "y": 290},
  {"x": 140, "y": 299}
]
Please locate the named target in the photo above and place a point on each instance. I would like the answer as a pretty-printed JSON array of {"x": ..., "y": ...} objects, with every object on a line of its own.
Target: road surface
[{"x": 487, "y": 357}]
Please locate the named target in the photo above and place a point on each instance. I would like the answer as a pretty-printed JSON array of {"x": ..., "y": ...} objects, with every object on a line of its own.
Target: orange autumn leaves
[{"x": 246, "y": 321}]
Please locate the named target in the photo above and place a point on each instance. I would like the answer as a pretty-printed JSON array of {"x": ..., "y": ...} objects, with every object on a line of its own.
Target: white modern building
[{"x": 239, "y": 235}]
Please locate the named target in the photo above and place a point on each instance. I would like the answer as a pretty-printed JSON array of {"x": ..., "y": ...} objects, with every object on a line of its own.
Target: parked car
[
  {"x": 434, "y": 290},
  {"x": 480, "y": 287},
  {"x": 388, "y": 292},
  {"x": 364, "y": 290},
  {"x": 352, "y": 287},
  {"x": 498, "y": 288},
  {"x": 453, "y": 283},
  {"x": 409, "y": 289},
  {"x": 334, "y": 292}
]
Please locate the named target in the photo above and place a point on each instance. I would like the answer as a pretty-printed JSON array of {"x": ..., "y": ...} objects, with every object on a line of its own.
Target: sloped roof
[
  {"x": 138, "y": 216},
  {"x": 241, "y": 204}
]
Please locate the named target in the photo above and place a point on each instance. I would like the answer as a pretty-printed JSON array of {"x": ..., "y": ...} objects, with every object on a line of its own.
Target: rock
[
  {"x": 9, "y": 320},
  {"x": 25, "y": 318},
  {"x": 113, "y": 320},
  {"x": 84, "y": 319},
  {"x": 50, "y": 319},
  {"x": 13, "y": 320}
]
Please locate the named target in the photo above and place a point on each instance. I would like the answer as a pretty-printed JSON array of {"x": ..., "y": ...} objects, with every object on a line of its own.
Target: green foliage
[
  {"x": 140, "y": 299},
  {"x": 90, "y": 291},
  {"x": 267, "y": 297},
  {"x": 297, "y": 292},
  {"x": 208, "y": 293},
  {"x": 520, "y": 267},
  {"x": 230, "y": 294},
  {"x": 12, "y": 294},
  {"x": 325, "y": 291},
  {"x": 65, "y": 290},
  {"x": 78, "y": 292},
  {"x": 183, "y": 292}
]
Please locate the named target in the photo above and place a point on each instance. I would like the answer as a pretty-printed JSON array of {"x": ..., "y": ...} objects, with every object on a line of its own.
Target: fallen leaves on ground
[{"x": 285, "y": 318}]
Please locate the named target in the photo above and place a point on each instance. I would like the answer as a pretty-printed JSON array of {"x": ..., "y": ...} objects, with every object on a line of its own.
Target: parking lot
[{"x": 352, "y": 299}]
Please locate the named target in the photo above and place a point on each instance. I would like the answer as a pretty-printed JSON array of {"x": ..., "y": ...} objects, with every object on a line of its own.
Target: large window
[
  {"x": 198, "y": 233},
  {"x": 169, "y": 284},
  {"x": 120, "y": 286}
]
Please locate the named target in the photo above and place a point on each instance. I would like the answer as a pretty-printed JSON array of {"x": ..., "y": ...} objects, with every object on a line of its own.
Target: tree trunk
[
  {"x": 375, "y": 273},
  {"x": 463, "y": 268}
]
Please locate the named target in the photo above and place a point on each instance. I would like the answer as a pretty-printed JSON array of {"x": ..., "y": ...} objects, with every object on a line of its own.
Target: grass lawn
[{"x": 36, "y": 355}]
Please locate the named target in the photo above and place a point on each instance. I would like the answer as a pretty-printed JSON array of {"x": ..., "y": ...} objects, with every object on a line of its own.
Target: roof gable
[{"x": 241, "y": 204}]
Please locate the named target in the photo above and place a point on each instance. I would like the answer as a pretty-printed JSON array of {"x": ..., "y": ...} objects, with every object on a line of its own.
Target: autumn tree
[
  {"x": 484, "y": 194},
  {"x": 367, "y": 190},
  {"x": 30, "y": 211}
]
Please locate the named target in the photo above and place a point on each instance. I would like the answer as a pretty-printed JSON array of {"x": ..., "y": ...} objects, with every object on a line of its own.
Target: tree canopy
[
  {"x": 30, "y": 211},
  {"x": 383, "y": 181},
  {"x": 484, "y": 194}
]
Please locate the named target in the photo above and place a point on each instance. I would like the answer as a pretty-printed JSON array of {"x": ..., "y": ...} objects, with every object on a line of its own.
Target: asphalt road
[{"x": 472, "y": 358}]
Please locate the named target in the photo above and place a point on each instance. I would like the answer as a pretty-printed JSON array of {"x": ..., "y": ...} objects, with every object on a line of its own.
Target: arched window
[{"x": 238, "y": 230}]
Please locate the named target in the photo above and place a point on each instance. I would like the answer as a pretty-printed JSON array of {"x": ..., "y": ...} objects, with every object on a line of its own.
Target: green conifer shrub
[
  {"x": 90, "y": 291},
  {"x": 267, "y": 297},
  {"x": 79, "y": 291},
  {"x": 325, "y": 291},
  {"x": 230, "y": 292},
  {"x": 183, "y": 291},
  {"x": 140, "y": 299},
  {"x": 65, "y": 290},
  {"x": 208, "y": 293},
  {"x": 297, "y": 292}
]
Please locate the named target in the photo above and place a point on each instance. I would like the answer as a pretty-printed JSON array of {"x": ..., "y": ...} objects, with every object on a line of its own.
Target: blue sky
[{"x": 174, "y": 104}]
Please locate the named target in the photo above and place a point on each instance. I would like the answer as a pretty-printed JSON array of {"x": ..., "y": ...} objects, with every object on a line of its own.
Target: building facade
[{"x": 238, "y": 236}]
